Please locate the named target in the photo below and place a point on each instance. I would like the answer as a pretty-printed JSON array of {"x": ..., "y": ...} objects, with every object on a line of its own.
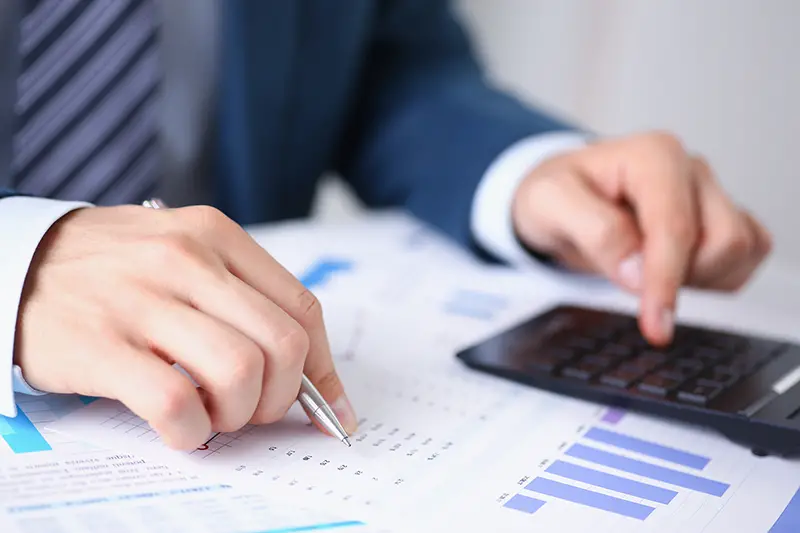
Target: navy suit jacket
[{"x": 386, "y": 93}]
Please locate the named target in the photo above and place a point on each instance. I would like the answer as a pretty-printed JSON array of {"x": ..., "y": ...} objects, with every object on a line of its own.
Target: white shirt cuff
[
  {"x": 23, "y": 223},
  {"x": 491, "y": 222}
]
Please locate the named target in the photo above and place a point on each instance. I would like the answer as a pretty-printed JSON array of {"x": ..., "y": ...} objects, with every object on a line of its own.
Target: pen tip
[{"x": 347, "y": 441}]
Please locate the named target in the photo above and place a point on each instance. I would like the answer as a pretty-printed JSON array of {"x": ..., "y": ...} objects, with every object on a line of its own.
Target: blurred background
[{"x": 722, "y": 74}]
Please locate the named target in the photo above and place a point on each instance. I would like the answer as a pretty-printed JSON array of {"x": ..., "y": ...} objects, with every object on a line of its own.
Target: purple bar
[
  {"x": 525, "y": 504},
  {"x": 613, "y": 416}
]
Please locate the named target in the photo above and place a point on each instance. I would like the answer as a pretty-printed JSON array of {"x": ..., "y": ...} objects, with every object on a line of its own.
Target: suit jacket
[{"x": 386, "y": 93}]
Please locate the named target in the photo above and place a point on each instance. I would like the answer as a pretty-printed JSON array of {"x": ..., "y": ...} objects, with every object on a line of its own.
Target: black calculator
[{"x": 743, "y": 386}]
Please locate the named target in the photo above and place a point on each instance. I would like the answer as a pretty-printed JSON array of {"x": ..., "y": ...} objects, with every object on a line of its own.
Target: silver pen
[{"x": 309, "y": 397}]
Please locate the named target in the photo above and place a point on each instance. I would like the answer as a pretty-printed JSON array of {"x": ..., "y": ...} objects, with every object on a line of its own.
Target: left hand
[{"x": 646, "y": 214}]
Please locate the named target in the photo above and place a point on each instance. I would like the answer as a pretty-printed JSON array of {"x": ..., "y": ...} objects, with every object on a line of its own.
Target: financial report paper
[{"x": 445, "y": 448}]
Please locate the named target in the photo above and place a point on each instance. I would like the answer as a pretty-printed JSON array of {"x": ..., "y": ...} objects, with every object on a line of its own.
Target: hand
[
  {"x": 645, "y": 214},
  {"x": 115, "y": 296}
]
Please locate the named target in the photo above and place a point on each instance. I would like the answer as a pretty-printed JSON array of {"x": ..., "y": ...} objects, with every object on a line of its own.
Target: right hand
[{"x": 116, "y": 295}]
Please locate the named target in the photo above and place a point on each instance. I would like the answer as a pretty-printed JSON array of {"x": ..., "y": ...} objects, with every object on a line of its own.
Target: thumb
[
  {"x": 579, "y": 225},
  {"x": 322, "y": 373}
]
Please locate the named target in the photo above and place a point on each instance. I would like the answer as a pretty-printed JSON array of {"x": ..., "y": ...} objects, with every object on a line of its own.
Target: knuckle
[
  {"x": 682, "y": 228},
  {"x": 293, "y": 346},
  {"x": 174, "y": 398},
  {"x": 309, "y": 308},
  {"x": 607, "y": 232},
  {"x": 738, "y": 243},
  {"x": 246, "y": 363},
  {"x": 666, "y": 142},
  {"x": 205, "y": 219}
]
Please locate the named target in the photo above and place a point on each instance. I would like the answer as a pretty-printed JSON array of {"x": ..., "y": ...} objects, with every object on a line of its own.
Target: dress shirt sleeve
[
  {"x": 491, "y": 223},
  {"x": 23, "y": 223}
]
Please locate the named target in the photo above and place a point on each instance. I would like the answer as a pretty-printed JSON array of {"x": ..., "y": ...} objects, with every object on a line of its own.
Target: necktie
[{"x": 86, "y": 106}]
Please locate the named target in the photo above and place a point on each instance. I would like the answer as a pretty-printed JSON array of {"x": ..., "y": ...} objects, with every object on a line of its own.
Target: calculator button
[
  {"x": 634, "y": 339},
  {"x": 644, "y": 362},
  {"x": 616, "y": 350},
  {"x": 601, "y": 361},
  {"x": 679, "y": 372},
  {"x": 700, "y": 391},
  {"x": 621, "y": 378},
  {"x": 583, "y": 371},
  {"x": 709, "y": 355},
  {"x": 658, "y": 385},
  {"x": 582, "y": 343}
]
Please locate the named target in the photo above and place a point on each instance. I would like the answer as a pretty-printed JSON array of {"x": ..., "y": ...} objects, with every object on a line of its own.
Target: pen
[{"x": 309, "y": 397}]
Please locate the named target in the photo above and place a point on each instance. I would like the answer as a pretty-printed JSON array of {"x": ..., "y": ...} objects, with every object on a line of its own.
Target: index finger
[{"x": 664, "y": 202}]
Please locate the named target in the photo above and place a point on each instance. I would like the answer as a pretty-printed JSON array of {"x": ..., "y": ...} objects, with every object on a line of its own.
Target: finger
[
  {"x": 728, "y": 240},
  {"x": 738, "y": 277},
  {"x": 253, "y": 265},
  {"x": 603, "y": 233},
  {"x": 226, "y": 364},
  {"x": 665, "y": 205},
  {"x": 155, "y": 392},
  {"x": 283, "y": 343}
]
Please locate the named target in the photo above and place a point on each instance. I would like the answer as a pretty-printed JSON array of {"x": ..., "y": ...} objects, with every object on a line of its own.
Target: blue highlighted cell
[
  {"x": 523, "y": 503},
  {"x": 789, "y": 520},
  {"x": 315, "y": 527},
  {"x": 651, "y": 449},
  {"x": 648, "y": 470},
  {"x": 320, "y": 272},
  {"x": 608, "y": 481},
  {"x": 22, "y": 436},
  {"x": 590, "y": 498}
]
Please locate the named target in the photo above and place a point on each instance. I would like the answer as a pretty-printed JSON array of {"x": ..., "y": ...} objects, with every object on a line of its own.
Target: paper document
[
  {"x": 102, "y": 492},
  {"x": 450, "y": 449}
]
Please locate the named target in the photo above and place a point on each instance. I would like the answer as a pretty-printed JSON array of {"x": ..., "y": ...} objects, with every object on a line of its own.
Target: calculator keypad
[{"x": 696, "y": 368}]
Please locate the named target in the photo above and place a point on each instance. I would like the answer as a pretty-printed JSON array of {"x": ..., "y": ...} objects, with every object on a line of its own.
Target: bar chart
[
  {"x": 617, "y": 473},
  {"x": 22, "y": 434}
]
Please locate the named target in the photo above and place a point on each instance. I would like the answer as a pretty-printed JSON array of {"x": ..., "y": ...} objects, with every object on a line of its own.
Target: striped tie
[{"x": 87, "y": 93}]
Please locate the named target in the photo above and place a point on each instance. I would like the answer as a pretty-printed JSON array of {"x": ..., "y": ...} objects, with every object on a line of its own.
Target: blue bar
[
  {"x": 630, "y": 487},
  {"x": 524, "y": 503},
  {"x": 319, "y": 273},
  {"x": 314, "y": 527},
  {"x": 5, "y": 427},
  {"x": 86, "y": 400},
  {"x": 590, "y": 498},
  {"x": 648, "y": 470},
  {"x": 789, "y": 520},
  {"x": 24, "y": 437},
  {"x": 651, "y": 449}
]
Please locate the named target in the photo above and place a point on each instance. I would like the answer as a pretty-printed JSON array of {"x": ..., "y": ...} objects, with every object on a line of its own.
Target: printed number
[
  {"x": 341, "y": 467},
  {"x": 395, "y": 447},
  {"x": 273, "y": 448},
  {"x": 378, "y": 442},
  {"x": 324, "y": 462},
  {"x": 359, "y": 472},
  {"x": 433, "y": 456},
  {"x": 398, "y": 482},
  {"x": 412, "y": 453},
  {"x": 306, "y": 458},
  {"x": 290, "y": 453}
]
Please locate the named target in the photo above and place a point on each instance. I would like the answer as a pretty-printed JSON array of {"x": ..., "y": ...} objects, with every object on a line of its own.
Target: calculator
[{"x": 745, "y": 387}]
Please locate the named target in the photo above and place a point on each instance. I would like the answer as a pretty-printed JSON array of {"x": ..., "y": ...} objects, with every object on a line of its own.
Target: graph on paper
[
  {"x": 25, "y": 433},
  {"x": 640, "y": 474}
]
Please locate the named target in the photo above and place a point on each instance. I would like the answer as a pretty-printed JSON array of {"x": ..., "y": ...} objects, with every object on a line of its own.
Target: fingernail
[
  {"x": 345, "y": 413},
  {"x": 667, "y": 322},
  {"x": 630, "y": 271}
]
